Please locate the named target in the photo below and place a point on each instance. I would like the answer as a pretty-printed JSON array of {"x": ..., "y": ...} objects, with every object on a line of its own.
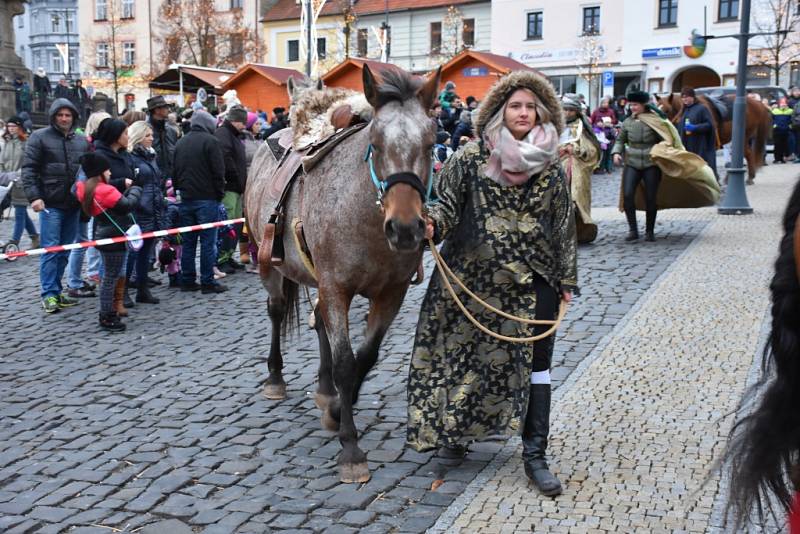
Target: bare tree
[
  {"x": 590, "y": 52},
  {"x": 780, "y": 21},
  {"x": 451, "y": 41},
  {"x": 193, "y": 32}
]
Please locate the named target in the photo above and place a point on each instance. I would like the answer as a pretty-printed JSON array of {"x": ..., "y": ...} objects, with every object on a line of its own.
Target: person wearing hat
[
  {"x": 698, "y": 133},
  {"x": 635, "y": 141},
  {"x": 165, "y": 136},
  {"x": 11, "y": 161},
  {"x": 49, "y": 168},
  {"x": 229, "y": 135},
  {"x": 447, "y": 96},
  {"x": 579, "y": 151},
  {"x": 505, "y": 217},
  {"x": 279, "y": 121},
  {"x": 41, "y": 85},
  {"x": 111, "y": 212}
]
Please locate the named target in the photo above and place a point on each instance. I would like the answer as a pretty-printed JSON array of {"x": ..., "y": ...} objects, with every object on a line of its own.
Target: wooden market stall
[
  {"x": 475, "y": 72},
  {"x": 262, "y": 87}
]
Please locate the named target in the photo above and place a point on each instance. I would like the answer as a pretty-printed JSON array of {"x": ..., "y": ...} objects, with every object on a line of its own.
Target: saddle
[
  {"x": 291, "y": 164},
  {"x": 723, "y": 106}
]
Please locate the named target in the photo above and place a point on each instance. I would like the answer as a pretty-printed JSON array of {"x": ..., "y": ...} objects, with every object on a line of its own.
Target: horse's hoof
[
  {"x": 323, "y": 401},
  {"x": 750, "y": 182},
  {"x": 328, "y": 422},
  {"x": 275, "y": 391},
  {"x": 354, "y": 473}
]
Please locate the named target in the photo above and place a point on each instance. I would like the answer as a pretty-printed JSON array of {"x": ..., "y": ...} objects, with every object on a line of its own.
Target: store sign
[
  {"x": 475, "y": 72},
  {"x": 608, "y": 78},
  {"x": 554, "y": 54},
  {"x": 659, "y": 53}
]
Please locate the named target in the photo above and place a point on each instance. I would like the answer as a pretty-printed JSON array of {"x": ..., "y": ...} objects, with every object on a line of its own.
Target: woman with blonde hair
[
  {"x": 149, "y": 213},
  {"x": 93, "y": 122}
]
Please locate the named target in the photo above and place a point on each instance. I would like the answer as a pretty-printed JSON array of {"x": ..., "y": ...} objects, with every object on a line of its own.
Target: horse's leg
[
  {"x": 326, "y": 392},
  {"x": 334, "y": 305},
  {"x": 277, "y": 309},
  {"x": 751, "y": 163}
]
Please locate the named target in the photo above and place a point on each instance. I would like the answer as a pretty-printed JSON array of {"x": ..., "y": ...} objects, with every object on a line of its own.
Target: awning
[{"x": 194, "y": 78}]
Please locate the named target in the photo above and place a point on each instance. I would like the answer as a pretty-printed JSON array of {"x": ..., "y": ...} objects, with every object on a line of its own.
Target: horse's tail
[
  {"x": 763, "y": 127},
  {"x": 291, "y": 314}
]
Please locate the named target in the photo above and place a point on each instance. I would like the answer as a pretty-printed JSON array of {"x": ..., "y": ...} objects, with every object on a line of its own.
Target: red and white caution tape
[{"x": 120, "y": 239}]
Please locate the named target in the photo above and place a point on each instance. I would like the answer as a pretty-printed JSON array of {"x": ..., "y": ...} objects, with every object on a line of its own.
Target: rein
[{"x": 408, "y": 178}]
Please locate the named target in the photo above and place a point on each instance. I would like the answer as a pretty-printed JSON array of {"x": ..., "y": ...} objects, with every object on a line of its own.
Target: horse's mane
[{"x": 397, "y": 85}]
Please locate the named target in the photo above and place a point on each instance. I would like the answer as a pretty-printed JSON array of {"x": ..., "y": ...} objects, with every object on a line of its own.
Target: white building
[{"x": 45, "y": 26}]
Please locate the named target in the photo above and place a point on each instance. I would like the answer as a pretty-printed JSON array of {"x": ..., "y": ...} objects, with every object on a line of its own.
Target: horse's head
[
  {"x": 670, "y": 105},
  {"x": 402, "y": 137}
]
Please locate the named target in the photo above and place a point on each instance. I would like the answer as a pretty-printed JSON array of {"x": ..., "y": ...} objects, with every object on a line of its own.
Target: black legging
[
  {"x": 630, "y": 181},
  {"x": 546, "y": 308}
]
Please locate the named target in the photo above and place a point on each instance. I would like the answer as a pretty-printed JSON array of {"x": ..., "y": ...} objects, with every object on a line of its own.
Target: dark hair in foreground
[{"x": 764, "y": 453}]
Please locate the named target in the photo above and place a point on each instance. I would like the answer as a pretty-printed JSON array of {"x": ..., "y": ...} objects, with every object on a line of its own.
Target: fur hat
[
  {"x": 641, "y": 97},
  {"x": 688, "y": 91},
  {"x": 505, "y": 86},
  {"x": 15, "y": 120},
  {"x": 94, "y": 164},
  {"x": 237, "y": 114},
  {"x": 109, "y": 130}
]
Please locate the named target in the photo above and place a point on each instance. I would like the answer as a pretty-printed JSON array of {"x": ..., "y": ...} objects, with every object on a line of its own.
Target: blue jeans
[
  {"x": 197, "y": 212},
  {"x": 22, "y": 221},
  {"x": 93, "y": 263},
  {"x": 75, "y": 263},
  {"x": 59, "y": 227}
]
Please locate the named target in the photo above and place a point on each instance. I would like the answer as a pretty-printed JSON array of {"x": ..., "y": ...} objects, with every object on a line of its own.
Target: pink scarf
[{"x": 513, "y": 162}]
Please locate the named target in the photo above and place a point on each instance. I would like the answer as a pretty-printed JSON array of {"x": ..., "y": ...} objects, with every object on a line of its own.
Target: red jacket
[
  {"x": 794, "y": 515},
  {"x": 111, "y": 211},
  {"x": 105, "y": 195},
  {"x": 599, "y": 113}
]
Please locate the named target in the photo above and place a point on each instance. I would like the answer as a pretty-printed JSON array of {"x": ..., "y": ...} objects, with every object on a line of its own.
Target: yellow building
[{"x": 282, "y": 41}]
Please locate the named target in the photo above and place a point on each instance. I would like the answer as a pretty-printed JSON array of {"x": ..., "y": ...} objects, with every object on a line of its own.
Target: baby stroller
[{"x": 6, "y": 182}]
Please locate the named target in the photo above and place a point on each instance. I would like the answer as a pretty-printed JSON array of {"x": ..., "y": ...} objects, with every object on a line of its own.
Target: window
[
  {"x": 100, "y": 9},
  {"x": 655, "y": 85},
  {"x": 468, "y": 34},
  {"x": 236, "y": 4},
  {"x": 55, "y": 21},
  {"x": 56, "y": 65},
  {"x": 322, "y": 47},
  {"x": 363, "y": 39},
  {"x": 293, "y": 50},
  {"x": 436, "y": 37},
  {"x": 591, "y": 20},
  {"x": 728, "y": 10},
  {"x": 70, "y": 21},
  {"x": 129, "y": 54},
  {"x": 128, "y": 9},
  {"x": 237, "y": 49},
  {"x": 564, "y": 84},
  {"x": 535, "y": 23},
  {"x": 102, "y": 55},
  {"x": 73, "y": 61},
  {"x": 667, "y": 13}
]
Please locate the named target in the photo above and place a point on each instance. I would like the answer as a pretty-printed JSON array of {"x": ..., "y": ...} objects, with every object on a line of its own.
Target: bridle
[{"x": 408, "y": 178}]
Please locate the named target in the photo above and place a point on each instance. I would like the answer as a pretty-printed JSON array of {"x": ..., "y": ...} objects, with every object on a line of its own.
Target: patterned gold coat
[
  {"x": 465, "y": 385},
  {"x": 578, "y": 168}
]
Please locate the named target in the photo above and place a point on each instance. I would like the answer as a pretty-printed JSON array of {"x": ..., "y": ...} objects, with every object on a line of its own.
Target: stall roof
[
  {"x": 194, "y": 78},
  {"x": 500, "y": 63},
  {"x": 276, "y": 75}
]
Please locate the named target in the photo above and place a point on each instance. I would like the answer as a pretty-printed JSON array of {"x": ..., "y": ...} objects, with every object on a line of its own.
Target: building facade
[
  {"x": 421, "y": 35},
  {"x": 46, "y": 34},
  {"x": 128, "y": 38}
]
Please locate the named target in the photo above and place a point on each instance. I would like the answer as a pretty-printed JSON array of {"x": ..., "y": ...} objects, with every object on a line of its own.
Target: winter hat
[
  {"x": 110, "y": 130},
  {"x": 205, "y": 120},
  {"x": 570, "y": 101},
  {"x": 642, "y": 97},
  {"x": 237, "y": 114},
  {"x": 15, "y": 120},
  {"x": 688, "y": 91},
  {"x": 450, "y": 86},
  {"x": 251, "y": 119},
  {"x": 94, "y": 164}
]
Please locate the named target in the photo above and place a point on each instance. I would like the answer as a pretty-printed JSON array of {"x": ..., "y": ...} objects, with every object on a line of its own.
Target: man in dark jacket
[
  {"x": 49, "y": 169},
  {"x": 81, "y": 100},
  {"x": 41, "y": 85},
  {"x": 165, "y": 136},
  {"x": 697, "y": 129},
  {"x": 199, "y": 169},
  {"x": 62, "y": 90},
  {"x": 229, "y": 137},
  {"x": 279, "y": 121}
]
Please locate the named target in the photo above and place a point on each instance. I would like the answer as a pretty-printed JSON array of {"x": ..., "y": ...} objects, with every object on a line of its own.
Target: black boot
[
  {"x": 534, "y": 441},
  {"x": 143, "y": 295},
  {"x": 174, "y": 280},
  {"x": 633, "y": 229},
  {"x": 651, "y": 225},
  {"x": 110, "y": 321}
]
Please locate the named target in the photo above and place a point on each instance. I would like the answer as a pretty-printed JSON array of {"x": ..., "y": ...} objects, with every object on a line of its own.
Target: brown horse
[
  {"x": 758, "y": 123},
  {"x": 357, "y": 247}
]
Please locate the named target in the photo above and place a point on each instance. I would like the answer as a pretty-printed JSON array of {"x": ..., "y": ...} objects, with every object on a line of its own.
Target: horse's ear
[
  {"x": 370, "y": 87},
  {"x": 320, "y": 85},
  {"x": 290, "y": 87},
  {"x": 427, "y": 93}
]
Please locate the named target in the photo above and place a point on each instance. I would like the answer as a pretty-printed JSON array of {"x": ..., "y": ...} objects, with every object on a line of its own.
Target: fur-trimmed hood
[{"x": 503, "y": 88}]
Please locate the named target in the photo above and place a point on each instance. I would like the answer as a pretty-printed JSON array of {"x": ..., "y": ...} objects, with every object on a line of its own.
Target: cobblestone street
[{"x": 164, "y": 429}]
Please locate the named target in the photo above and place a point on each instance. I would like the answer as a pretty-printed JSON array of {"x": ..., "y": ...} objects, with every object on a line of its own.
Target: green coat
[
  {"x": 11, "y": 160},
  {"x": 464, "y": 384},
  {"x": 635, "y": 141}
]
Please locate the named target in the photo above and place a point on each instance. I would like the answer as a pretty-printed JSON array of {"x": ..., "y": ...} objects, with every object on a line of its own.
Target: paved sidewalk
[{"x": 638, "y": 425}]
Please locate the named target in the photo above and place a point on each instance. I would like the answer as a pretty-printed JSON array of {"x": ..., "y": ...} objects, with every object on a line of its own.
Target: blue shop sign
[
  {"x": 658, "y": 53},
  {"x": 475, "y": 72}
]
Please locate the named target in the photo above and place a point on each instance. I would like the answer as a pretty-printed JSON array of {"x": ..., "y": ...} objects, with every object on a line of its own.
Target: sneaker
[
  {"x": 226, "y": 268},
  {"x": 50, "y": 305},
  {"x": 194, "y": 286},
  {"x": 81, "y": 292},
  {"x": 218, "y": 274},
  {"x": 66, "y": 301},
  {"x": 216, "y": 288}
]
